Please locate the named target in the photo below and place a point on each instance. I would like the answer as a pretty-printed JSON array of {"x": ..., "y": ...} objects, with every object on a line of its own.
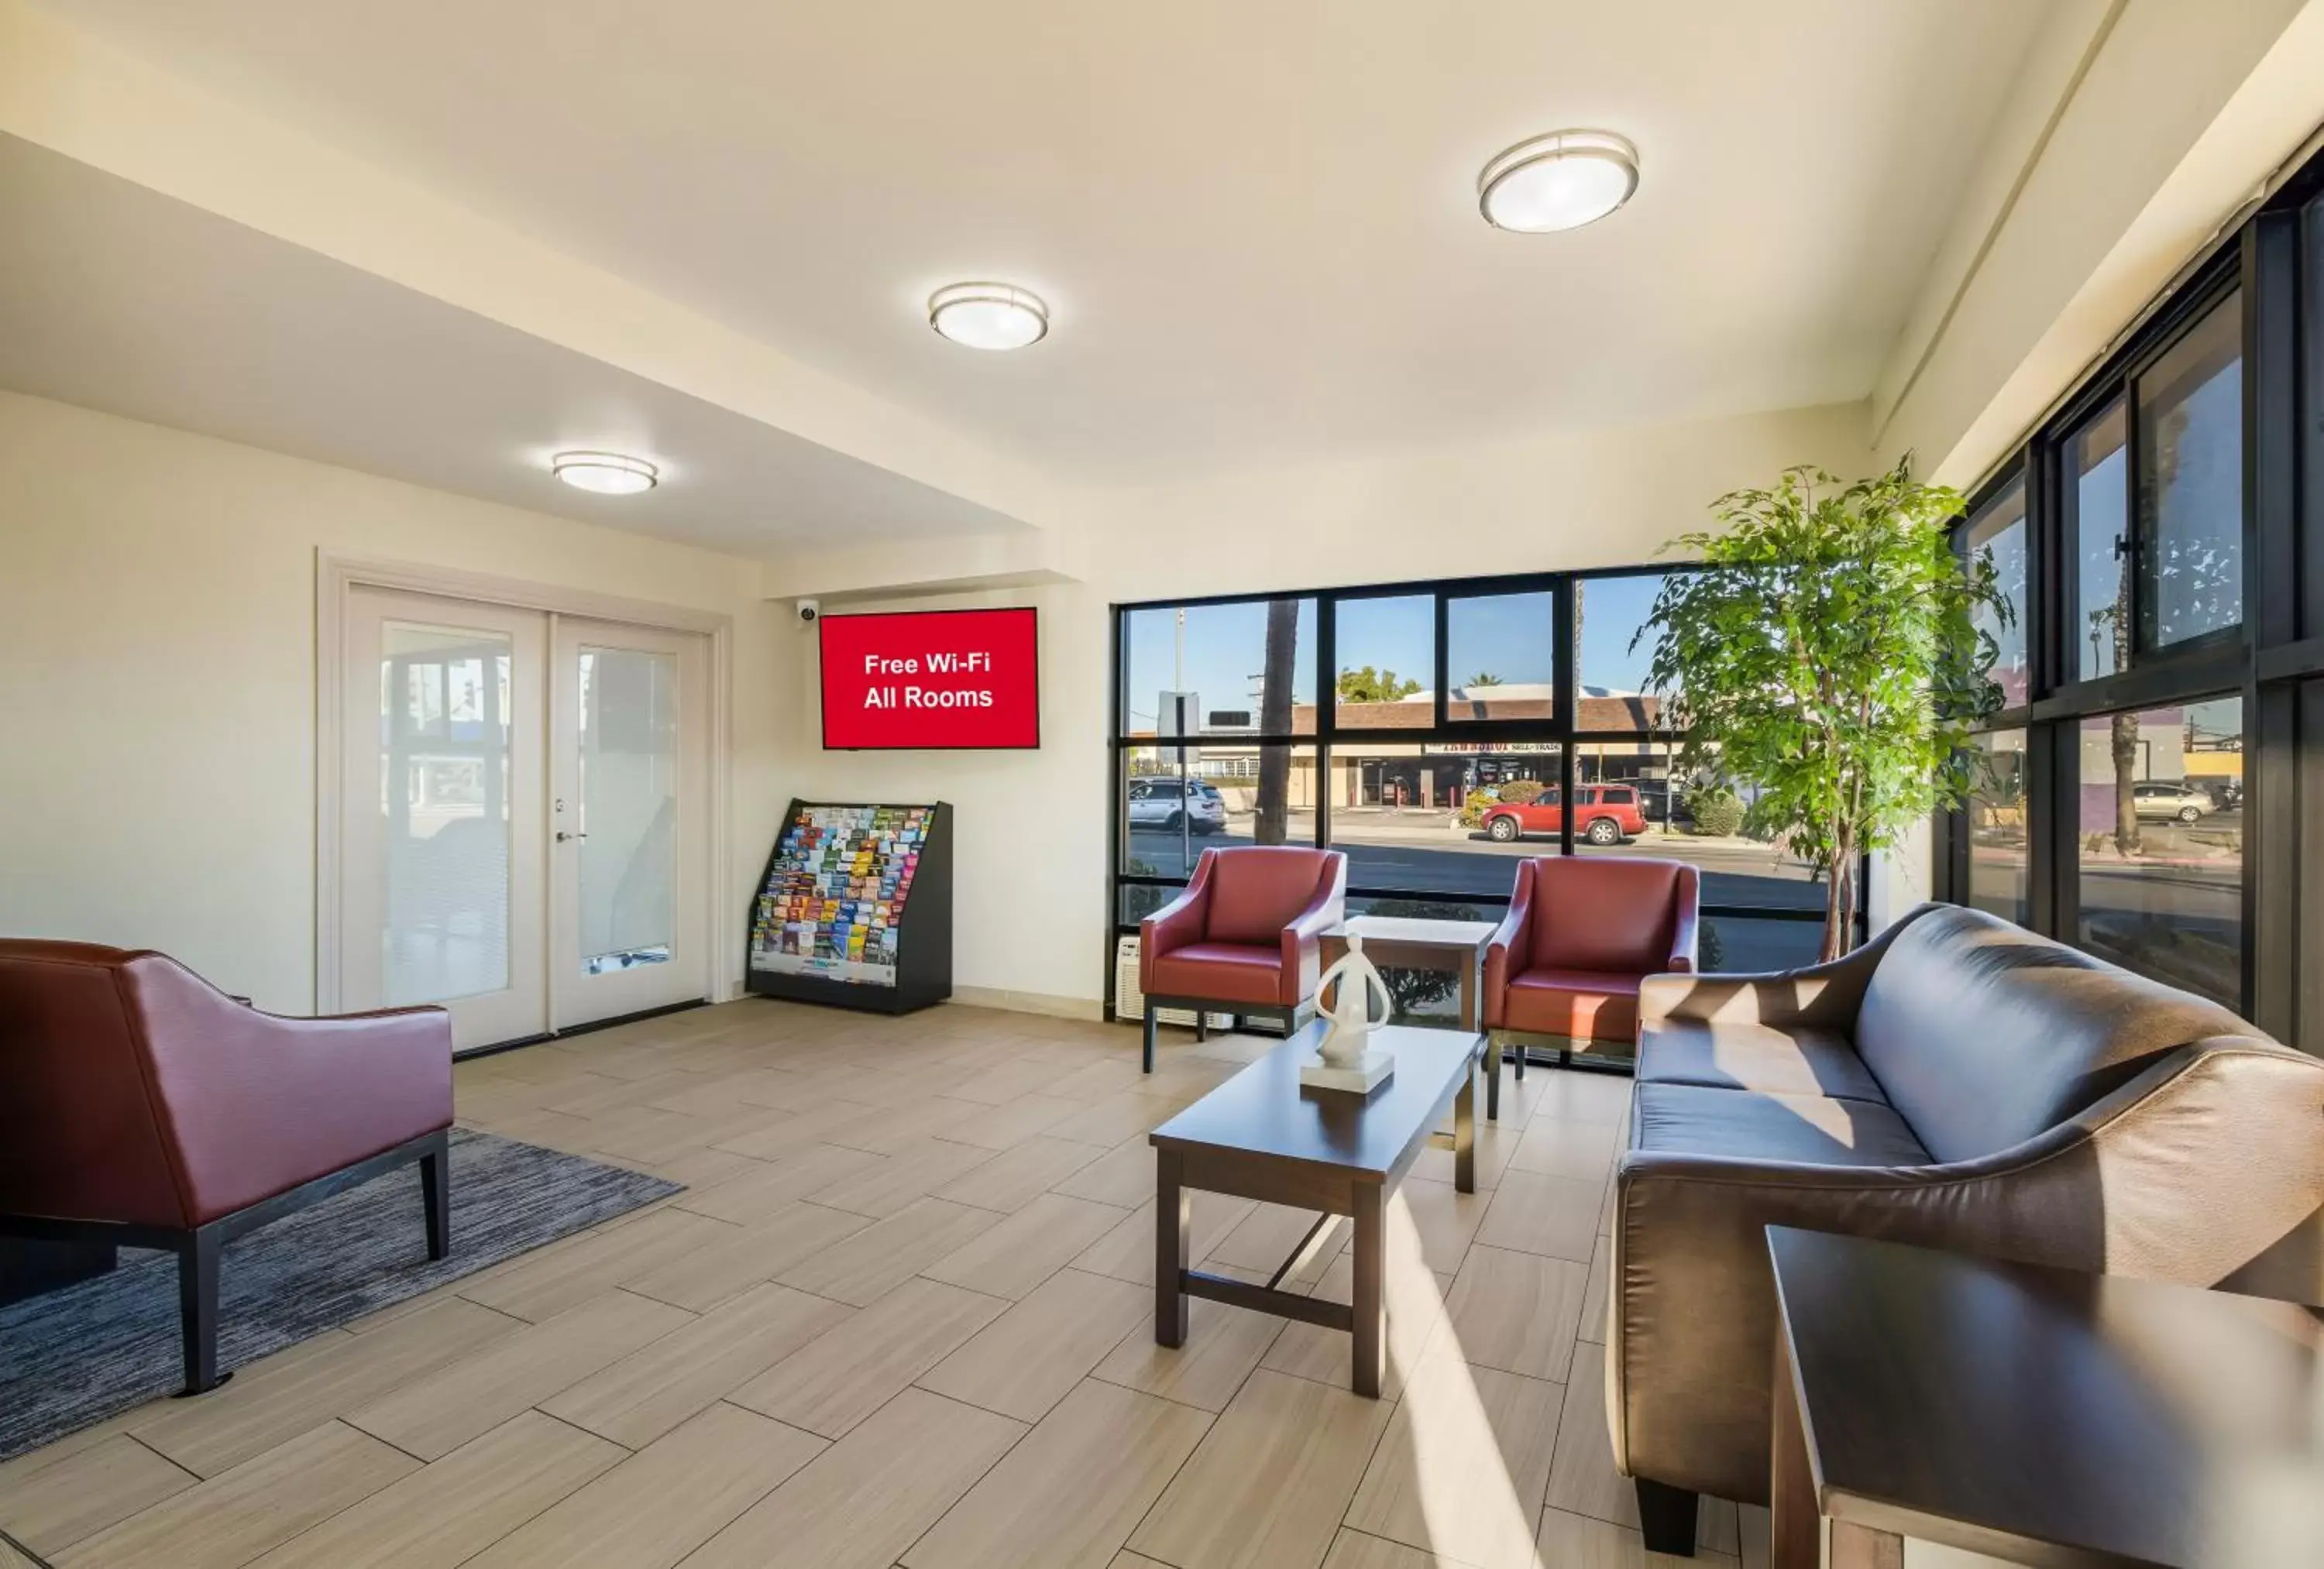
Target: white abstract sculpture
[{"x": 1344, "y": 1057}]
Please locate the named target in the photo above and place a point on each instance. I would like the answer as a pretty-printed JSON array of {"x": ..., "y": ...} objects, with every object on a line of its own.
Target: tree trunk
[
  {"x": 1271, "y": 822},
  {"x": 1840, "y": 902},
  {"x": 2125, "y": 781}
]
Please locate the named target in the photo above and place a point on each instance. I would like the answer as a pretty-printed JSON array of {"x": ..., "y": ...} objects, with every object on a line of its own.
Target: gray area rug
[{"x": 77, "y": 1356}]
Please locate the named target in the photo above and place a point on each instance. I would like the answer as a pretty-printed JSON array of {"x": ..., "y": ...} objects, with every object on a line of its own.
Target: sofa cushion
[
  {"x": 1739, "y": 1124},
  {"x": 1585, "y": 1004},
  {"x": 1222, "y": 972},
  {"x": 1984, "y": 1034},
  {"x": 1801, "y": 1059}
]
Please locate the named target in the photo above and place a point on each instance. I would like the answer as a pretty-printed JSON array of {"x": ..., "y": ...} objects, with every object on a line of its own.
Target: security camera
[{"x": 809, "y": 609}]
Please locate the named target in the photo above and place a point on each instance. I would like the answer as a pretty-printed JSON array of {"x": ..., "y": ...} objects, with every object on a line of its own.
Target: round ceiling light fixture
[
  {"x": 608, "y": 473},
  {"x": 989, "y": 315},
  {"x": 1559, "y": 181}
]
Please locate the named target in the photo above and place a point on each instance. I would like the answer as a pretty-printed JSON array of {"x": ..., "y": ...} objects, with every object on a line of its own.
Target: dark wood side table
[
  {"x": 1262, "y": 1134},
  {"x": 1413, "y": 942},
  {"x": 2037, "y": 1415}
]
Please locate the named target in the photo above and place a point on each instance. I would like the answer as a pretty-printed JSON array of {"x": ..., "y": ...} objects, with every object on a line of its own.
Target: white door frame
[{"x": 336, "y": 574}]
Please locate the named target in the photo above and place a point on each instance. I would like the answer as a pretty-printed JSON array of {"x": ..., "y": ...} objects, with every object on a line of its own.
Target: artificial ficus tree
[{"x": 1831, "y": 664}]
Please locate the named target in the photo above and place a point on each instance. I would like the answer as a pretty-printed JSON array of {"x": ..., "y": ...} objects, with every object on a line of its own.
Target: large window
[
  {"x": 1437, "y": 734},
  {"x": 2162, "y": 540}
]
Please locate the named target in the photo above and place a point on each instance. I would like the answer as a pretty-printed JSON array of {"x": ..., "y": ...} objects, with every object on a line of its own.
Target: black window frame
[{"x": 1560, "y": 729}]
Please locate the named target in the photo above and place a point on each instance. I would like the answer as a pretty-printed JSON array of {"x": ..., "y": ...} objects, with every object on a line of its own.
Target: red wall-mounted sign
[{"x": 933, "y": 680}]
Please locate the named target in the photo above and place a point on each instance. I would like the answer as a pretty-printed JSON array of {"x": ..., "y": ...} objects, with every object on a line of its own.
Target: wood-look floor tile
[
  {"x": 1355, "y": 1550},
  {"x": 1223, "y": 1345},
  {"x": 1442, "y": 1217},
  {"x": 781, "y": 1182},
  {"x": 731, "y": 1265},
  {"x": 1266, "y": 1488},
  {"x": 907, "y": 1128},
  {"x": 659, "y": 1505},
  {"x": 1594, "y": 1297},
  {"x": 1554, "y": 1215},
  {"x": 1128, "y": 1115},
  {"x": 830, "y": 1384},
  {"x": 240, "y": 1513},
  {"x": 86, "y": 1491},
  {"x": 1071, "y": 1491},
  {"x": 652, "y": 1389},
  {"x": 447, "y": 1511},
  {"x": 1127, "y": 1252},
  {"x": 864, "y": 1501},
  {"x": 1024, "y": 1250},
  {"x": 1559, "y": 1147},
  {"x": 910, "y": 1173},
  {"x": 12, "y": 1559},
  {"x": 1518, "y": 1312},
  {"x": 545, "y": 1283},
  {"x": 1267, "y": 1236},
  {"x": 1416, "y": 1313},
  {"x": 865, "y": 1267},
  {"x": 835, "y": 1121},
  {"x": 1030, "y": 1357},
  {"x": 1005, "y": 1126},
  {"x": 1577, "y": 1095},
  {"x": 1004, "y": 1082},
  {"x": 433, "y": 1416},
  {"x": 1014, "y": 1178},
  {"x": 1584, "y": 1480},
  {"x": 1464, "y": 1465},
  {"x": 292, "y": 1393},
  {"x": 1123, "y": 1175}
]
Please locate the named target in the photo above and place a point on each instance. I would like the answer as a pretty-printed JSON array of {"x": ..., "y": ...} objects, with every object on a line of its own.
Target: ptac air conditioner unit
[{"x": 1129, "y": 1002}]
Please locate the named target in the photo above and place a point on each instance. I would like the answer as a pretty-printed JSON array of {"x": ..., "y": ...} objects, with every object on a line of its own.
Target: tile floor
[{"x": 901, "y": 1316}]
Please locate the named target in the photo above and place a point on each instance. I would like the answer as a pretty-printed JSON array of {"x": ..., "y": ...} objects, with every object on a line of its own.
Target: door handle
[{"x": 562, "y": 836}]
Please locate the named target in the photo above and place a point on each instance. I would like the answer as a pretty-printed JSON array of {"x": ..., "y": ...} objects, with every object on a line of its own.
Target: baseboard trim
[{"x": 1047, "y": 1003}]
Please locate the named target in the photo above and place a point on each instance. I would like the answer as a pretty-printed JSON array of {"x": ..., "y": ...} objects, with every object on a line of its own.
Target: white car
[
  {"x": 2182, "y": 801},
  {"x": 1157, "y": 803}
]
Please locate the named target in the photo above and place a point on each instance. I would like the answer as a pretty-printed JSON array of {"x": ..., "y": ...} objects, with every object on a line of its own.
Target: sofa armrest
[
  {"x": 2155, "y": 1180},
  {"x": 1506, "y": 949},
  {"x": 1303, "y": 940}
]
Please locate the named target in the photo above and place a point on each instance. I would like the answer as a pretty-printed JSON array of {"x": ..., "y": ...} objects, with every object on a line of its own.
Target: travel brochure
[{"x": 834, "y": 902}]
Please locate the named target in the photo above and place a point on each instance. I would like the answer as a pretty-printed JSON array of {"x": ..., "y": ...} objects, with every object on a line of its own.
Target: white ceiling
[
  {"x": 1255, "y": 222},
  {"x": 117, "y": 298}
]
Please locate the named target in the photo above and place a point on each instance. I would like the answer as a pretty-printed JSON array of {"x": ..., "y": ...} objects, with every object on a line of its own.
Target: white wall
[{"x": 157, "y": 677}]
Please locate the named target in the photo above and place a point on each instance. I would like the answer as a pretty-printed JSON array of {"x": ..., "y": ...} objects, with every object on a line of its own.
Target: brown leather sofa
[
  {"x": 1958, "y": 1083},
  {"x": 1246, "y": 936},
  {"x": 142, "y": 1107},
  {"x": 1581, "y": 934}
]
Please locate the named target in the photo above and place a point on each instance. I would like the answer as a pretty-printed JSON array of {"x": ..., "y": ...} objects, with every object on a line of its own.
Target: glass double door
[{"x": 523, "y": 815}]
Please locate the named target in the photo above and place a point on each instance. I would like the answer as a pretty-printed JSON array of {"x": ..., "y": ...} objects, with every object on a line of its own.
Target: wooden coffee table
[
  {"x": 2040, "y": 1415},
  {"x": 1263, "y": 1135}
]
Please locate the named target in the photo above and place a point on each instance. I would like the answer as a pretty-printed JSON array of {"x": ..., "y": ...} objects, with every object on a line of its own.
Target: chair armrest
[
  {"x": 251, "y": 1103},
  {"x": 1512, "y": 937},
  {"x": 1685, "y": 920},
  {"x": 1181, "y": 922},
  {"x": 1302, "y": 938}
]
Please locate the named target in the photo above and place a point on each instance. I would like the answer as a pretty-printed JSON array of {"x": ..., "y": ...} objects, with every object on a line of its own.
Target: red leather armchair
[
  {"x": 1581, "y": 934},
  {"x": 1245, "y": 937},
  {"x": 142, "y": 1107}
]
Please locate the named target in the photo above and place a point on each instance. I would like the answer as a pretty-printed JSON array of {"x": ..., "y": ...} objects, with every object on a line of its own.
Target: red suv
[{"x": 1603, "y": 814}]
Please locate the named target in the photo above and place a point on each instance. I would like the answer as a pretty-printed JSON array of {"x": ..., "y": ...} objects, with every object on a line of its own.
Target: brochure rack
[{"x": 856, "y": 907}]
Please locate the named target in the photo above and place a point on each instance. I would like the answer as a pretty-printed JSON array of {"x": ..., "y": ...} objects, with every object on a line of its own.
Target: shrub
[
  {"x": 1717, "y": 812},
  {"x": 1521, "y": 791}
]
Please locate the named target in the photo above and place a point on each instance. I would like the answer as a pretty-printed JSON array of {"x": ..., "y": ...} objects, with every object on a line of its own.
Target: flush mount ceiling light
[
  {"x": 989, "y": 315},
  {"x": 608, "y": 473},
  {"x": 1559, "y": 181}
]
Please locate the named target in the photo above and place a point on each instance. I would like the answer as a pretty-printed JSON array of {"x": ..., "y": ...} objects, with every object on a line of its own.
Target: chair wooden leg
[
  {"x": 436, "y": 1195},
  {"x": 1149, "y": 1037},
  {"x": 197, "y": 1308}
]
